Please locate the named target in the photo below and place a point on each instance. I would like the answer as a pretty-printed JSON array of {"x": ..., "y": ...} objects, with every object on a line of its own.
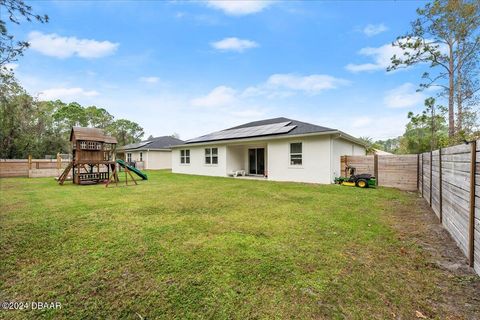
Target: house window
[
  {"x": 141, "y": 156},
  {"x": 296, "y": 154},
  {"x": 211, "y": 156},
  {"x": 129, "y": 157},
  {"x": 185, "y": 156}
]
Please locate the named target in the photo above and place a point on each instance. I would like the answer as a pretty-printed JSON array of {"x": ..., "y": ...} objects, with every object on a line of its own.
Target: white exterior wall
[
  {"x": 158, "y": 159},
  {"x": 152, "y": 159},
  {"x": 320, "y": 158},
  {"x": 315, "y": 166},
  {"x": 197, "y": 161},
  {"x": 236, "y": 158},
  {"x": 342, "y": 147}
]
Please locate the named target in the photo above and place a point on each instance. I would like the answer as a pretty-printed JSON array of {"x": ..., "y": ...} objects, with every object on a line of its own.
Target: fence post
[
  {"x": 440, "y": 190},
  {"x": 422, "y": 175},
  {"x": 375, "y": 167},
  {"x": 431, "y": 174},
  {"x": 59, "y": 161},
  {"x": 473, "y": 164},
  {"x": 29, "y": 162},
  {"x": 343, "y": 166},
  {"x": 418, "y": 172}
]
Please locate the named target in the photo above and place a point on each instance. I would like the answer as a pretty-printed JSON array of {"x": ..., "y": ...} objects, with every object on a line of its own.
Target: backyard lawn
[{"x": 191, "y": 247}]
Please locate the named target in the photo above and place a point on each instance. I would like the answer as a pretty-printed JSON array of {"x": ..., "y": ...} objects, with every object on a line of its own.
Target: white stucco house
[
  {"x": 152, "y": 154},
  {"x": 278, "y": 149}
]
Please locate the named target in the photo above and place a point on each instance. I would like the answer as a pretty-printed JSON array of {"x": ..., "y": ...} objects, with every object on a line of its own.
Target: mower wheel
[{"x": 362, "y": 183}]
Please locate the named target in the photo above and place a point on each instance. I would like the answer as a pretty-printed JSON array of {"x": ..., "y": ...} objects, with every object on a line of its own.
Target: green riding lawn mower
[{"x": 363, "y": 180}]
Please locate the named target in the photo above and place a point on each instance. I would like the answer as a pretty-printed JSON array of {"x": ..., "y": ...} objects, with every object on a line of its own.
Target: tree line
[{"x": 38, "y": 128}]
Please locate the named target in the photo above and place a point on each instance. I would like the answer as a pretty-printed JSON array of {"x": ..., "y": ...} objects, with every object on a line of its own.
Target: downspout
[
  {"x": 146, "y": 162},
  {"x": 332, "y": 137},
  {"x": 331, "y": 159}
]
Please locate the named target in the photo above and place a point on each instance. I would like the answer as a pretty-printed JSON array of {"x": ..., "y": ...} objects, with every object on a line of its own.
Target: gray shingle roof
[
  {"x": 300, "y": 128},
  {"x": 165, "y": 142}
]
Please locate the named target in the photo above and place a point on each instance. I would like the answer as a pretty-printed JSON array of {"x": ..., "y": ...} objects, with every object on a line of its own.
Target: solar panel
[
  {"x": 268, "y": 129},
  {"x": 136, "y": 145}
]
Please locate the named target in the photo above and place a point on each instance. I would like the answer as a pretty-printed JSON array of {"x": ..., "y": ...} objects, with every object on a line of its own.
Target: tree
[
  {"x": 368, "y": 142},
  {"x": 69, "y": 115},
  {"x": 27, "y": 126},
  {"x": 390, "y": 145},
  {"x": 98, "y": 117},
  {"x": 175, "y": 135},
  {"x": 468, "y": 55},
  {"x": 125, "y": 131},
  {"x": 425, "y": 131},
  {"x": 15, "y": 110},
  {"x": 15, "y": 10},
  {"x": 445, "y": 35}
]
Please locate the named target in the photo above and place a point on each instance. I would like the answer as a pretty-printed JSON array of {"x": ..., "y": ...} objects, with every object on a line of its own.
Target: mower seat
[{"x": 366, "y": 176}]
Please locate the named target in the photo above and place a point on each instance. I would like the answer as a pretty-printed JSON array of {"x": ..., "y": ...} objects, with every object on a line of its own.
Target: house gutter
[
  {"x": 339, "y": 133},
  {"x": 262, "y": 138},
  {"x": 345, "y": 136},
  {"x": 145, "y": 149}
]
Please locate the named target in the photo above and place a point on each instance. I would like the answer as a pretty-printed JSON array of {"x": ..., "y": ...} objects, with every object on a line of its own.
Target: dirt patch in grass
[{"x": 459, "y": 287}]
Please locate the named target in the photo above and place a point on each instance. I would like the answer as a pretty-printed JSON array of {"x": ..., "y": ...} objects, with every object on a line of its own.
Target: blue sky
[{"x": 197, "y": 67}]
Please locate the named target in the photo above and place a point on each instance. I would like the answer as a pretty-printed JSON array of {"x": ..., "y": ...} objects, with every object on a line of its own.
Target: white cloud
[
  {"x": 68, "y": 94},
  {"x": 150, "y": 80},
  {"x": 234, "y": 44},
  {"x": 374, "y": 29},
  {"x": 381, "y": 58},
  {"x": 286, "y": 84},
  {"x": 63, "y": 47},
  {"x": 378, "y": 127},
  {"x": 404, "y": 96},
  {"x": 276, "y": 86},
  {"x": 221, "y": 96},
  {"x": 310, "y": 84},
  {"x": 239, "y": 8}
]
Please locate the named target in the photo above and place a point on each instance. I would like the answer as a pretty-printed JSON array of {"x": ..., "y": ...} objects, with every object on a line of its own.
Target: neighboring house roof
[
  {"x": 381, "y": 152},
  {"x": 165, "y": 142},
  {"x": 267, "y": 128},
  {"x": 91, "y": 134}
]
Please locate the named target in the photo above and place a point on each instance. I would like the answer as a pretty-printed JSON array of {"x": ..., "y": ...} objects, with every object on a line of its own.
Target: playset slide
[{"x": 133, "y": 169}]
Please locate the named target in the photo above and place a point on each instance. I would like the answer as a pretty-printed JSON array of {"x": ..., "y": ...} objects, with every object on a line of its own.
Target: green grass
[{"x": 190, "y": 247}]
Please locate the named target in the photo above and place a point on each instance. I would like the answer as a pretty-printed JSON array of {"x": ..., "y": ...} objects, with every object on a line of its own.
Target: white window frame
[
  {"x": 210, "y": 156},
  {"x": 184, "y": 157},
  {"x": 129, "y": 157},
  {"x": 141, "y": 156},
  {"x": 296, "y": 154}
]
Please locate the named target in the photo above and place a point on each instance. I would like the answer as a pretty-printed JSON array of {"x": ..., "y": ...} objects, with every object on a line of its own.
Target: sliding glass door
[{"x": 256, "y": 161}]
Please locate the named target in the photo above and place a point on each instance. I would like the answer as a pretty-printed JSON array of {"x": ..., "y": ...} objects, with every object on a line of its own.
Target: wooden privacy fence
[
  {"x": 397, "y": 171},
  {"x": 448, "y": 179},
  {"x": 27, "y": 167}
]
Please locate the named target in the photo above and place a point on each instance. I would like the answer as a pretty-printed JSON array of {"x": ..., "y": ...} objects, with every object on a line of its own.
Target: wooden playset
[
  {"x": 93, "y": 156},
  {"x": 93, "y": 159}
]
